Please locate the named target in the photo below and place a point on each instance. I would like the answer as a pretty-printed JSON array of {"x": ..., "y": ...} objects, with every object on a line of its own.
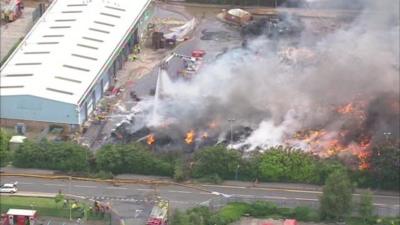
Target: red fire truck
[
  {"x": 159, "y": 213},
  {"x": 20, "y": 217}
]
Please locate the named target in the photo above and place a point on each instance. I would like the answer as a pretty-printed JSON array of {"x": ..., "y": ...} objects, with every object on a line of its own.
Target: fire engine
[
  {"x": 159, "y": 213},
  {"x": 191, "y": 63}
]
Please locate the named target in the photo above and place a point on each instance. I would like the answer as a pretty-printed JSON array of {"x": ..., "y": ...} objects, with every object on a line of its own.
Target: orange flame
[
  {"x": 363, "y": 157},
  {"x": 346, "y": 109},
  {"x": 150, "y": 139},
  {"x": 213, "y": 124},
  {"x": 190, "y": 137}
]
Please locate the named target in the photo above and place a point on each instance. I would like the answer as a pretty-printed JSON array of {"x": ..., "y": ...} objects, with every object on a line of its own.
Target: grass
[{"x": 44, "y": 206}]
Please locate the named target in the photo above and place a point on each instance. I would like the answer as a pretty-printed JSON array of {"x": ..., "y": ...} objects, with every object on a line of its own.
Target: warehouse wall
[{"x": 25, "y": 107}]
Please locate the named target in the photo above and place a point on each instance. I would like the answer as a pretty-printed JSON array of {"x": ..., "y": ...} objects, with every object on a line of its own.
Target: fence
[{"x": 217, "y": 203}]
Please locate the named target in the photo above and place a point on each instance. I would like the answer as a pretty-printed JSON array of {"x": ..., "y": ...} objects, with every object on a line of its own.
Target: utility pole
[{"x": 69, "y": 203}]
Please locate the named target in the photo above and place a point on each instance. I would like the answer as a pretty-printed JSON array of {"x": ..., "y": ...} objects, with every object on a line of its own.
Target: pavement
[{"x": 12, "y": 32}]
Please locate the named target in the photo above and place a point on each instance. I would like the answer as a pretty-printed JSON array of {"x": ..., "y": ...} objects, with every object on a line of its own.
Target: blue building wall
[{"x": 25, "y": 107}]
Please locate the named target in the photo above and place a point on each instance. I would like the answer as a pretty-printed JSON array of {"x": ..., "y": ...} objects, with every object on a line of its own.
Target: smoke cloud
[{"x": 255, "y": 86}]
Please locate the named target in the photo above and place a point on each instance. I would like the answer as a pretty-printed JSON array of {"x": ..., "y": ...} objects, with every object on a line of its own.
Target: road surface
[{"x": 133, "y": 201}]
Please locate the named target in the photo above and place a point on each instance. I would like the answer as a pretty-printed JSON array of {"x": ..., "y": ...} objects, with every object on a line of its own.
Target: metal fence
[{"x": 217, "y": 203}]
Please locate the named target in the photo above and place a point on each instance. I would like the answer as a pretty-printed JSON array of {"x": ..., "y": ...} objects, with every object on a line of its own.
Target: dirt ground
[{"x": 252, "y": 221}]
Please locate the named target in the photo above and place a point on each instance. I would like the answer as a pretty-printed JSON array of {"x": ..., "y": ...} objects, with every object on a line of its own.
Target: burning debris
[
  {"x": 342, "y": 100},
  {"x": 283, "y": 24}
]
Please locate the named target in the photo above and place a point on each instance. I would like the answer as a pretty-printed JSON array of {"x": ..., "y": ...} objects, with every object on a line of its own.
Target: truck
[{"x": 159, "y": 213}]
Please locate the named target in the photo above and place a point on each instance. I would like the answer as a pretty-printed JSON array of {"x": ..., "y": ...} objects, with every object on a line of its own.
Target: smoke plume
[{"x": 279, "y": 94}]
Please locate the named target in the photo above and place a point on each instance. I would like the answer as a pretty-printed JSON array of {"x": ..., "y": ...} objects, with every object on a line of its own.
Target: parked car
[{"x": 9, "y": 188}]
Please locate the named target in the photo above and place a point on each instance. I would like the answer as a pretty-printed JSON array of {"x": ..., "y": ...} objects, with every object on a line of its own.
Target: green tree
[
  {"x": 335, "y": 202},
  {"x": 180, "y": 173},
  {"x": 64, "y": 156},
  {"x": 131, "y": 158},
  {"x": 4, "y": 147},
  {"x": 384, "y": 166},
  {"x": 287, "y": 164},
  {"x": 366, "y": 208},
  {"x": 216, "y": 160}
]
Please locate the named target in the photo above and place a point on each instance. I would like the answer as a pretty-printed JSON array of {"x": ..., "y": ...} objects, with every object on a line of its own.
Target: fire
[
  {"x": 346, "y": 109},
  {"x": 150, "y": 139},
  {"x": 363, "y": 157},
  {"x": 213, "y": 124},
  {"x": 190, "y": 137}
]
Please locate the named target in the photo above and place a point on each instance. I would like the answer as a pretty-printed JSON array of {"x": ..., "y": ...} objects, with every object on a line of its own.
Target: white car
[{"x": 9, "y": 188}]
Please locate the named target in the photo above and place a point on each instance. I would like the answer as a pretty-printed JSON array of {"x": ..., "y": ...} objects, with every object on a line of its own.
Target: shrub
[
  {"x": 216, "y": 160},
  {"x": 262, "y": 209},
  {"x": 132, "y": 158},
  {"x": 213, "y": 179},
  {"x": 64, "y": 156},
  {"x": 305, "y": 214}
]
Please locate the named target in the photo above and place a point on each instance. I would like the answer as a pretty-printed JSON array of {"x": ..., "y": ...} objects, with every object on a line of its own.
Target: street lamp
[
  {"x": 387, "y": 135},
  {"x": 230, "y": 127},
  {"x": 69, "y": 203},
  {"x": 237, "y": 172}
]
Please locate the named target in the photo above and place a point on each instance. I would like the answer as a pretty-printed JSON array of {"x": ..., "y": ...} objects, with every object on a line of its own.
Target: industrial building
[{"x": 69, "y": 59}]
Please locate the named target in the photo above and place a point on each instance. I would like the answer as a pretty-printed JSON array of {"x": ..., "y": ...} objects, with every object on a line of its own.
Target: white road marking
[
  {"x": 393, "y": 206},
  {"x": 117, "y": 188},
  {"x": 57, "y": 185},
  {"x": 223, "y": 186},
  {"x": 274, "y": 197},
  {"x": 245, "y": 195},
  {"x": 84, "y": 186},
  {"x": 24, "y": 183},
  {"x": 144, "y": 189},
  {"x": 184, "y": 192},
  {"x": 307, "y": 199}
]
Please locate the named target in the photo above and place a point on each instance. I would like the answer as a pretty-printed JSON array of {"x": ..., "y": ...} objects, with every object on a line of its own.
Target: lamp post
[
  {"x": 231, "y": 131},
  {"x": 387, "y": 135},
  {"x": 69, "y": 203},
  {"x": 237, "y": 172}
]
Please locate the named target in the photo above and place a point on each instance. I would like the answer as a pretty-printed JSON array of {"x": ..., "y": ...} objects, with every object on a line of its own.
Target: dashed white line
[
  {"x": 84, "y": 186},
  {"x": 223, "y": 186},
  {"x": 307, "y": 199},
  {"x": 144, "y": 189},
  {"x": 24, "y": 183},
  {"x": 275, "y": 197},
  {"x": 117, "y": 188},
  {"x": 183, "y": 192},
  {"x": 251, "y": 196},
  {"x": 57, "y": 185}
]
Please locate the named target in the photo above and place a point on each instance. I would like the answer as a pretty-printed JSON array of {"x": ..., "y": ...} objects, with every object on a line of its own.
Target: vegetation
[
  {"x": 64, "y": 156},
  {"x": 335, "y": 202},
  {"x": 132, "y": 158},
  {"x": 366, "y": 208},
  {"x": 45, "y": 206},
  {"x": 234, "y": 211},
  {"x": 211, "y": 164},
  {"x": 5, "y": 154},
  {"x": 216, "y": 160}
]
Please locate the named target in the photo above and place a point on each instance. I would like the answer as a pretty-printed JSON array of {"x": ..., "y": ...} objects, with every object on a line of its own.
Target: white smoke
[{"x": 255, "y": 87}]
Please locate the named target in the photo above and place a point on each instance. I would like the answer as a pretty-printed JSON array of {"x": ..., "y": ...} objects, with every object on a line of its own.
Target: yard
[{"x": 48, "y": 207}]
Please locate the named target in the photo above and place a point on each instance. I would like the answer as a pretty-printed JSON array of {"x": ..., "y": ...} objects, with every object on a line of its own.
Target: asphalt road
[{"x": 131, "y": 199}]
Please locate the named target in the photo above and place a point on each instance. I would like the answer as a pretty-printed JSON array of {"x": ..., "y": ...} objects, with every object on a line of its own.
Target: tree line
[{"x": 211, "y": 164}]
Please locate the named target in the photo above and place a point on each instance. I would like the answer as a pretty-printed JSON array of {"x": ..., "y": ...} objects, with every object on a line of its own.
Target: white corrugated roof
[
  {"x": 21, "y": 212},
  {"x": 67, "y": 48}
]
